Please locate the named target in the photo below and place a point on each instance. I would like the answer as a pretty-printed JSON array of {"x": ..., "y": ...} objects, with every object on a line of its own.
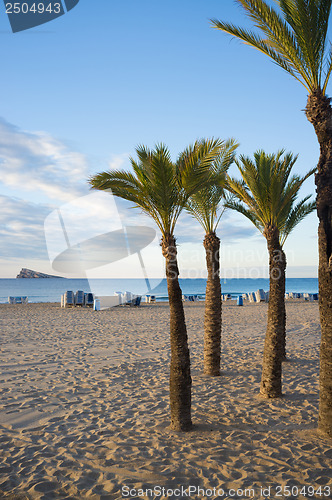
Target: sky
[{"x": 80, "y": 93}]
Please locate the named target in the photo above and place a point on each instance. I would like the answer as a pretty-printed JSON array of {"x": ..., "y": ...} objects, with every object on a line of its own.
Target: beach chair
[
  {"x": 69, "y": 299},
  {"x": 79, "y": 298},
  {"x": 260, "y": 295},
  {"x": 88, "y": 299},
  {"x": 120, "y": 295},
  {"x": 17, "y": 300},
  {"x": 252, "y": 297},
  {"x": 126, "y": 297},
  {"x": 136, "y": 301}
]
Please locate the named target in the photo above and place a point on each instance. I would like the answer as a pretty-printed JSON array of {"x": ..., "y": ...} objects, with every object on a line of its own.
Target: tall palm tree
[
  {"x": 204, "y": 205},
  {"x": 296, "y": 39},
  {"x": 266, "y": 196},
  {"x": 161, "y": 188}
]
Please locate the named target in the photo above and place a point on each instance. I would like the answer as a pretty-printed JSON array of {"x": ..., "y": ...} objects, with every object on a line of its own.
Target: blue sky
[{"x": 81, "y": 92}]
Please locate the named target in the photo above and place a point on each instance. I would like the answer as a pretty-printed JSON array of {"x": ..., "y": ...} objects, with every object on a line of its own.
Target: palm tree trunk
[
  {"x": 180, "y": 378},
  {"x": 273, "y": 347},
  {"x": 284, "y": 338},
  {"x": 319, "y": 113},
  {"x": 213, "y": 305}
]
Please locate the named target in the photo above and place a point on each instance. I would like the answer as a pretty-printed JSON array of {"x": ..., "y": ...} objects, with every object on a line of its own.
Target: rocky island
[{"x": 28, "y": 273}]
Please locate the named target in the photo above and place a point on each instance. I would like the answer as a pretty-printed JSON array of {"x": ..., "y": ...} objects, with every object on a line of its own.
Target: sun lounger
[
  {"x": 260, "y": 295},
  {"x": 69, "y": 299},
  {"x": 136, "y": 301},
  {"x": 18, "y": 300},
  {"x": 79, "y": 298},
  {"x": 88, "y": 299},
  {"x": 127, "y": 297},
  {"x": 150, "y": 299},
  {"x": 119, "y": 294}
]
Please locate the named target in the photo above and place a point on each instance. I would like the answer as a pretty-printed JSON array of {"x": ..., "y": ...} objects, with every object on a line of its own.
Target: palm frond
[
  {"x": 242, "y": 209},
  {"x": 295, "y": 38},
  {"x": 267, "y": 194},
  {"x": 159, "y": 186},
  {"x": 297, "y": 214},
  {"x": 204, "y": 204}
]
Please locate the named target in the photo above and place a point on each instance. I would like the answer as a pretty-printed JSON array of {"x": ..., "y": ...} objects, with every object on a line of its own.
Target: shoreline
[{"x": 84, "y": 406}]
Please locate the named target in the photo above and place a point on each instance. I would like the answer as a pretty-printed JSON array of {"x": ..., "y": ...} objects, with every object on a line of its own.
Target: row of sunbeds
[
  {"x": 82, "y": 299},
  {"x": 18, "y": 300},
  {"x": 261, "y": 296}
]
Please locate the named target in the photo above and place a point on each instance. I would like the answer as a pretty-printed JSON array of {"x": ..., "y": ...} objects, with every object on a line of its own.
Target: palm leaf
[
  {"x": 204, "y": 204},
  {"x": 295, "y": 39},
  {"x": 297, "y": 214},
  {"x": 267, "y": 193},
  {"x": 158, "y": 186}
]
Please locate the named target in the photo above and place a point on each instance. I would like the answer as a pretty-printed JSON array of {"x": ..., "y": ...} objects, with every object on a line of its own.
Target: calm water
[{"x": 50, "y": 290}]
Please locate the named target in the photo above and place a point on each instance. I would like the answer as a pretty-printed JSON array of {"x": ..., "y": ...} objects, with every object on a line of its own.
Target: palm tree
[
  {"x": 296, "y": 39},
  {"x": 267, "y": 196},
  {"x": 161, "y": 188},
  {"x": 204, "y": 206}
]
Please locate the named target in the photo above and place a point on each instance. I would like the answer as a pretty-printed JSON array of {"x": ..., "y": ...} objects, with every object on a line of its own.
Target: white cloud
[
  {"x": 21, "y": 229},
  {"x": 39, "y": 163},
  {"x": 118, "y": 162}
]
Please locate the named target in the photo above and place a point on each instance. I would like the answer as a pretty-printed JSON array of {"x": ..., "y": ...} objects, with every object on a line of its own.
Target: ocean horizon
[{"x": 51, "y": 289}]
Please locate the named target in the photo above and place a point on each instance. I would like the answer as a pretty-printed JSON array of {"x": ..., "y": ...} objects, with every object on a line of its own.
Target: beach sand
[{"x": 84, "y": 410}]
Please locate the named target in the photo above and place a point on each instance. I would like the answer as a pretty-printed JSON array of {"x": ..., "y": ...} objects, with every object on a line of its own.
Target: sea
[{"x": 51, "y": 289}]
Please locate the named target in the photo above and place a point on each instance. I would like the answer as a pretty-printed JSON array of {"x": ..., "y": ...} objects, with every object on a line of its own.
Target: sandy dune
[{"x": 84, "y": 407}]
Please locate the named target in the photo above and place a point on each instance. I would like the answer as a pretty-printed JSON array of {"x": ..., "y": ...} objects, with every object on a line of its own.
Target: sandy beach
[{"x": 84, "y": 407}]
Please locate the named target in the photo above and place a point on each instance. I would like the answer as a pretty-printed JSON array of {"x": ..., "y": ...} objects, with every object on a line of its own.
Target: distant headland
[{"x": 29, "y": 273}]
